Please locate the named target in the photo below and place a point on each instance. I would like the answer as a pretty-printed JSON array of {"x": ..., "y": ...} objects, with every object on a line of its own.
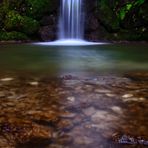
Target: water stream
[
  {"x": 71, "y": 22},
  {"x": 71, "y": 25}
]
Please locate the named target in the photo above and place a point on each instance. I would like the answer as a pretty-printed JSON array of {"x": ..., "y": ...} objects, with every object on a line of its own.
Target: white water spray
[{"x": 71, "y": 22}]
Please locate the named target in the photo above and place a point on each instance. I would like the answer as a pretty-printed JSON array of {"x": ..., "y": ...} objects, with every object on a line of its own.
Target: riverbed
[{"x": 73, "y": 97}]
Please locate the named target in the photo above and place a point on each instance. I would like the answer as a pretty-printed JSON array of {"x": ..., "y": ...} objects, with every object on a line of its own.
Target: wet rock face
[
  {"x": 49, "y": 28},
  {"x": 48, "y": 20},
  {"x": 47, "y": 33},
  {"x": 70, "y": 112}
]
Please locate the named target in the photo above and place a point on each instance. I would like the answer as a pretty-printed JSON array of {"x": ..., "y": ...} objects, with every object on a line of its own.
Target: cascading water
[
  {"x": 71, "y": 20},
  {"x": 71, "y": 25}
]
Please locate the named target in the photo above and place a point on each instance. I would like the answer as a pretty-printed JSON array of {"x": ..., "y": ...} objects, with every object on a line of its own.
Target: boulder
[
  {"x": 47, "y": 33},
  {"x": 49, "y": 20}
]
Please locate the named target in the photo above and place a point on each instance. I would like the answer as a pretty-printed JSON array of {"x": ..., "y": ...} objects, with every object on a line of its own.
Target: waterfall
[
  {"x": 71, "y": 20},
  {"x": 71, "y": 25}
]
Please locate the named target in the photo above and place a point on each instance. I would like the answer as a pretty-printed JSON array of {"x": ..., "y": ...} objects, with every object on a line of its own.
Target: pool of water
[
  {"x": 57, "y": 60},
  {"x": 73, "y": 96}
]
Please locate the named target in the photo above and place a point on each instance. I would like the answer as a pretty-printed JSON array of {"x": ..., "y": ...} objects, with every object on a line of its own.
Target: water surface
[{"x": 52, "y": 60}]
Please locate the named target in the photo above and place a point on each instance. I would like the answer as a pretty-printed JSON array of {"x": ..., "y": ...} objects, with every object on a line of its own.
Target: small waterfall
[
  {"x": 71, "y": 25},
  {"x": 71, "y": 22}
]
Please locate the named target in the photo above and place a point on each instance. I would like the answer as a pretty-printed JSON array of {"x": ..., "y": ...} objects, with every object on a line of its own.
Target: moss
[
  {"x": 14, "y": 21},
  {"x": 12, "y": 36}
]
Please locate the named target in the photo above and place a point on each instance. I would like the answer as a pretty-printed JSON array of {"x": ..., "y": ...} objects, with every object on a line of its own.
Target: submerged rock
[
  {"x": 89, "y": 111},
  {"x": 83, "y": 140},
  {"x": 6, "y": 79},
  {"x": 2, "y": 94},
  {"x": 127, "y": 139},
  {"x": 21, "y": 131},
  {"x": 127, "y": 96}
]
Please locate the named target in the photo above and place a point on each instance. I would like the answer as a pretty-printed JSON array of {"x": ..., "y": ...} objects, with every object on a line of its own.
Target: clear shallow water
[
  {"x": 57, "y": 60},
  {"x": 71, "y": 111}
]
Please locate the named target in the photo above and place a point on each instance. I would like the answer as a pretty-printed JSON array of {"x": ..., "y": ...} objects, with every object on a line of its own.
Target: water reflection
[{"x": 84, "y": 59}]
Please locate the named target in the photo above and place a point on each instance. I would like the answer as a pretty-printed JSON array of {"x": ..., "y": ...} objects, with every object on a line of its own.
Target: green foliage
[
  {"x": 128, "y": 7},
  {"x": 36, "y": 8},
  {"x": 108, "y": 17},
  {"x": 124, "y": 10},
  {"x": 138, "y": 2},
  {"x": 29, "y": 25},
  {"x": 14, "y": 21},
  {"x": 12, "y": 36}
]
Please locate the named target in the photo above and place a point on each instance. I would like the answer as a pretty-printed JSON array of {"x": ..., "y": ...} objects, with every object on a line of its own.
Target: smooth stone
[
  {"x": 11, "y": 104},
  {"x": 102, "y": 91},
  {"x": 16, "y": 96},
  {"x": 65, "y": 124},
  {"x": 134, "y": 99},
  {"x": 67, "y": 115},
  {"x": 72, "y": 82},
  {"x": 127, "y": 96},
  {"x": 103, "y": 116},
  {"x": 83, "y": 140},
  {"x": 2, "y": 94},
  {"x": 117, "y": 109},
  {"x": 89, "y": 111},
  {"x": 7, "y": 79},
  {"x": 64, "y": 140},
  {"x": 34, "y": 83},
  {"x": 71, "y": 99},
  {"x": 101, "y": 126},
  {"x": 110, "y": 95}
]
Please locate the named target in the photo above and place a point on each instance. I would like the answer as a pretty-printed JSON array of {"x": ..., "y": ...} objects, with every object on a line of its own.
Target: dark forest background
[{"x": 104, "y": 20}]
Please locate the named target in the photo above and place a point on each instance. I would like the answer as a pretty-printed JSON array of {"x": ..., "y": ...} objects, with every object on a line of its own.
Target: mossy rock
[
  {"x": 5, "y": 36},
  {"x": 14, "y": 21}
]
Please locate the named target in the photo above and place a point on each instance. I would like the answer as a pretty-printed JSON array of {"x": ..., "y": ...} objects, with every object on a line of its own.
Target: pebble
[
  {"x": 71, "y": 99},
  {"x": 102, "y": 91},
  {"x": 65, "y": 124},
  {"x": 103, "y": 116},
  {"x": 67, "y": 115},
  {"x": 101, "y": 126},
  {"x": 110, "y": 95},
  {"x": 64, "y": 140},
  {"x": 134, "y": 99},
  {"x": 117, "y": 109},
  {"x": 89, "y": 111},
  {"x": 34, "y": 83},
  {"x": 7, "y": 79},
  {"x": 2, "y": 94},
  {"x": 127, "y": 96},
  {"x": 83, "y": 140}
]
